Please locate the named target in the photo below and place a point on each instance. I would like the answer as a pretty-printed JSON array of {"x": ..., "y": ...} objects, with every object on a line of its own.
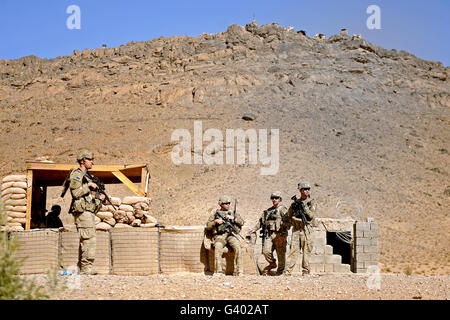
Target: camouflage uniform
[
  {"x": 301, "y": 235},
  {"x": 223, "y": 236},
  {"x": 84, "y": 206},
  {"x": 276, "y": 235}
]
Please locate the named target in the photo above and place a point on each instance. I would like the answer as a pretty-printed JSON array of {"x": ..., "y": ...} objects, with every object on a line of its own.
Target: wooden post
[
  {"x": 128, "y": 183},
  {"x": 29, "y": 198}
]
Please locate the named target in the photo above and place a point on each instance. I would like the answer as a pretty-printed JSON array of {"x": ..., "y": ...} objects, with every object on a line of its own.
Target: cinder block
[
  {"x": 319, "y": 250},
  {"x": 370, "y": 234},
  {"x": 335, "y": 258},
  {"x": 370, "y": 263},
  {"x": 364, "y": 257},
  {"x": 320, "y": 234},
  {"x": 317, "y": 267},
  {"x": 371, "y": 249},
  {"x": 359, "y": 249},
  {"x": 374, "y": 242},
  {"x": 360, "y": 264},
  {"x": 328, "y": 249},
  {"x": 341, "y": 268},
  {"x": 359, "y": 234},
  {"x": 362, "y": 226},
  {"x": 328, "y": 267},
  {"x": 317, "y": 259},
  {"x": 361, "y": 270},
  {"x": 374, "y": 226},
  {"x": 319, "y": 241},
  {"x": 363, "y": 241}
]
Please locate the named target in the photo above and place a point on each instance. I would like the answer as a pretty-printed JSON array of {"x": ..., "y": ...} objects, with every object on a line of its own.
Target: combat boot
[{"x": 89, "y": 271}]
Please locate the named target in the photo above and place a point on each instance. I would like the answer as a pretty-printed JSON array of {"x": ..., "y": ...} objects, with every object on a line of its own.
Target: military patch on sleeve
[{"x": 76, "y": 178}]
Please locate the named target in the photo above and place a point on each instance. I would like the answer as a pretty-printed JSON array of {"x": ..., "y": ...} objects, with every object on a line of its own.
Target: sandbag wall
[
  {"x": 127, "y": 212},
  {"x": 14, "y": 197}
]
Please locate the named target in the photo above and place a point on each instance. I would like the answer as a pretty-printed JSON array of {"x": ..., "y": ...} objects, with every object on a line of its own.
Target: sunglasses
[
  {"x": 306, "y": 189},
  {"x": 272, "y": 198},
  {"x": 226, "y": 203}
]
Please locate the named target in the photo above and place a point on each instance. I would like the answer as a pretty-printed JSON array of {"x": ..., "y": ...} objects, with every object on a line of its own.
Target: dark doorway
[{"x": 341, "y": 246}]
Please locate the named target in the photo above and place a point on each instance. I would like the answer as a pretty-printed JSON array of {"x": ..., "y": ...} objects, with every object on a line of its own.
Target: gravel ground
[{"x": 190, "y": 286}]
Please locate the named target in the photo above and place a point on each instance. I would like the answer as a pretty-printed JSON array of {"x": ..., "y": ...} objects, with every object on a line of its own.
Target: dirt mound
[{"x": 361, "y": 122}]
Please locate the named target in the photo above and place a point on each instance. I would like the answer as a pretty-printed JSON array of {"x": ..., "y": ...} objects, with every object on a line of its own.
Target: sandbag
[
  {"x": 136, "y": 223},
  {"x": 16, "y": 208},
  {"x": 105, "y": 215},
  {"x": 102, "y": 226},
  {"x": 20, "y": 185},
  {"x": 126, "y": 208},
  {"x": 116, "y": 201},
  {"x": 14, "y": 214},
  {"x": 15, "y": 178},
  {"x": 6, "y": 185},
  {"x": 110, "y": 221},
  {"x": 134, "y": 199},
  {"x": 13, "y": 190},
  {"x": 122, "y": 225},
  {"x": 148, "y": 225},
  {"x": 18, "y": 220},
  {"x": 16, "y": 196},
  {"x": 13, "y": 202}
]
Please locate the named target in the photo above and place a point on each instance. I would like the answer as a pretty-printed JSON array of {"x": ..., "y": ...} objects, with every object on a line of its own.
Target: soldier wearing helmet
[
  {"x": 274, "y": 233},
  {"x": 301, "y": 216},
  {"x": 223, "y": 234},
  {"x": 84, "y": 207}
]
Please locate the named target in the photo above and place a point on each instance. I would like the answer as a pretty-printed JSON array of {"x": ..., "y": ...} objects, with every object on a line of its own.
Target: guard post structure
[{"x": 41, "y": 175}]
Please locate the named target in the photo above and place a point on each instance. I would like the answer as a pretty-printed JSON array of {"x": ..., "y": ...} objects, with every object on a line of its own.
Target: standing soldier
[
  {"x": 274, "y": 234},
  {"x": 301, "y": 216},
  {"x": 84, "y": 206},
  {"x": 223, "y": 234}
]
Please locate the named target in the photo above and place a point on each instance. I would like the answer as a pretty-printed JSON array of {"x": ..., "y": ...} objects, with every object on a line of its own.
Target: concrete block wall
[
  {"x": 322, "y": 258},
  {"x": 365, "y": 245}
]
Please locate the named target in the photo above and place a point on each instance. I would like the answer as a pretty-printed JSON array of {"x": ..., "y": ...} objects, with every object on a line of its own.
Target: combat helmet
[
  {"x": 304, "y": 185},
  {"x": 276, "y": 194},
  {"x": 224, "y": 199},
  {"x": 84, "y": 153}
]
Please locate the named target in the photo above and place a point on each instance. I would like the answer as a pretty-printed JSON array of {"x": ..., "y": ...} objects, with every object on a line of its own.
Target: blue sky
[{"x": 39, "y": 27}]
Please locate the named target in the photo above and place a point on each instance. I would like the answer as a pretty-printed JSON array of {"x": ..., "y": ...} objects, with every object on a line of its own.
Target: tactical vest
[{"x": 222, "y": 228}]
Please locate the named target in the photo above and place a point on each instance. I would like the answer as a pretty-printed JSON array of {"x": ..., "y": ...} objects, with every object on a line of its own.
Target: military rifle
[
  {"x": 263, "y": 230},
  {"x": 101, "y": 187},
  {"x": 299, "y": 212}
]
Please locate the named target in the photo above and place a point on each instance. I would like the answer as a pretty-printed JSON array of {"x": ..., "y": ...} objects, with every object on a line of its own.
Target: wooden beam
[
  {"x": 29, "y": 198},
  {"x": 128, "y": 183}
]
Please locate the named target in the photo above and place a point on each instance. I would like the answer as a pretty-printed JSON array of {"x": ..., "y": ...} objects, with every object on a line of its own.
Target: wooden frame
[{"x": 45, "y": 174}]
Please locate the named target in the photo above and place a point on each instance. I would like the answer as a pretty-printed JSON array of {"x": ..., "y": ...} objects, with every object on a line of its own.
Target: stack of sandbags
[
  {"x": 131, "y": 211},
  {"x": 140, "y": 208},
  {"x": 14, "y": 197}
]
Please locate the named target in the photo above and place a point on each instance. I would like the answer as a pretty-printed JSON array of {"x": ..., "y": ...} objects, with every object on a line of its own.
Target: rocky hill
[{"x": 369, "y": 127}]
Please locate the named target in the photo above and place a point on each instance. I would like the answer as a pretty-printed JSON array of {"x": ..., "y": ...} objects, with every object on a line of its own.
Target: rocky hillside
[{"x": 369, "y": 127}]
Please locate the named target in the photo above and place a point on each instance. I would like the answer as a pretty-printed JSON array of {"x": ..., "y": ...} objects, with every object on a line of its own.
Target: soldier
[
  {"x": 301, "y": 233},
  {"x": 223, "y": 234},
  {"x": 84, "y": 206},
  {"x": 274, "y": 234}
]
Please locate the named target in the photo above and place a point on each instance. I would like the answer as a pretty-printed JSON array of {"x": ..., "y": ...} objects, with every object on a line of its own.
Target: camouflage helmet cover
[
  {"x": 304, "y": 185},
  {"x": 85, "y": 154},
  {"x": 276, "y": 194},
  {"x": 224, "y": 199}
]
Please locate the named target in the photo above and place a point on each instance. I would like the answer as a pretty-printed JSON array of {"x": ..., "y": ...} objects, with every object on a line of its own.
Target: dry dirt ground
[
  {"x": 191, "y": 286},
  {"x": 362, "y": 123}
]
